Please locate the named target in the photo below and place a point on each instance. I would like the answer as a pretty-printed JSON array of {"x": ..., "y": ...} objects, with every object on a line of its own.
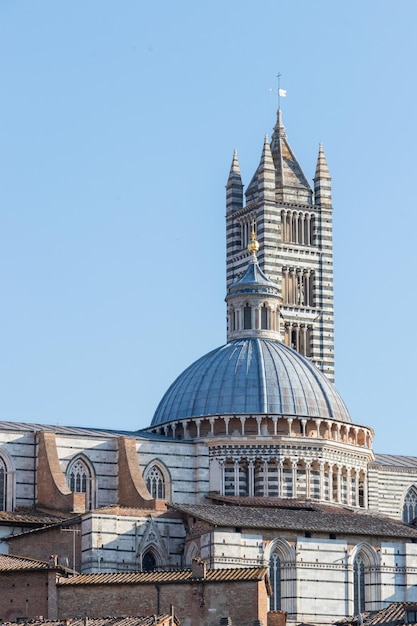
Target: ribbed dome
[{"x": 251, "y": 376}]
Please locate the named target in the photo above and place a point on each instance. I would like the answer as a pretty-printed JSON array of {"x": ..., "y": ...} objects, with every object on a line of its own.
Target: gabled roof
[{"x": 314, "y": 518}]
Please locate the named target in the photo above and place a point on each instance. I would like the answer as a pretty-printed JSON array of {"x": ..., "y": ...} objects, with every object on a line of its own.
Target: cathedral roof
[{"x": 251, "y": 376}]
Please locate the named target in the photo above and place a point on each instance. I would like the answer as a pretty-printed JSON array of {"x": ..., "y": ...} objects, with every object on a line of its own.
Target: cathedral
[{"x": 252, "y": 458}]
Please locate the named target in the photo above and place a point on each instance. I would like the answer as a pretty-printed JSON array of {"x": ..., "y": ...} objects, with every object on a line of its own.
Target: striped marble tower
[{"x": 294, "y": 229}]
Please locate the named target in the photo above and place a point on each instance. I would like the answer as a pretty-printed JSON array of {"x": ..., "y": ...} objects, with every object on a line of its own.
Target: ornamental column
[
  {"x": 321, "y": 476},
  {"x": 236, "y": 476},
  {"x": 294, "y": 478},
  {"x": 251, "y": 477},
  {"x": 308, "y": 479},
  {"x": 339, "y": 483},
  {"x": 280, "y": 474},
  {"x": 265, "y": 485},
  {"x": 222, "y": 477}
]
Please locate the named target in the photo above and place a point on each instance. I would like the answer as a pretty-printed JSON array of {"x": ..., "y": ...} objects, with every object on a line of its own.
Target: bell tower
[{"x": 294, "y": 229}]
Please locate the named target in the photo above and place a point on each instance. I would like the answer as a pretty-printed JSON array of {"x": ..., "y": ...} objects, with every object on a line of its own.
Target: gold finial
[{"x": 253, "y": 245}]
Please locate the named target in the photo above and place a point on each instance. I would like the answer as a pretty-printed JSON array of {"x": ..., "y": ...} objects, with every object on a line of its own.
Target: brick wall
[
  {"x": 198, "y": 602},
  {"x": 23, "y": 595},
  {"x": 42, "y": 544}
]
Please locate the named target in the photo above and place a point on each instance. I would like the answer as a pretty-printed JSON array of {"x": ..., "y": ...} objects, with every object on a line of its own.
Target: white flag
[{"x": 282, "y": 93}]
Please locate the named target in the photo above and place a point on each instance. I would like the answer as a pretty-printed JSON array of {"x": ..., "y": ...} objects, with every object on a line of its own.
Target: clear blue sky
[{"x": 118, "y": 122}]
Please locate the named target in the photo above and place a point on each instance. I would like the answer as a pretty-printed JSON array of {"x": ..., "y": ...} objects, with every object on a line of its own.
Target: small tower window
[
  {"x": 247, "y": 317},
  {"x": 264, "y": 317}
]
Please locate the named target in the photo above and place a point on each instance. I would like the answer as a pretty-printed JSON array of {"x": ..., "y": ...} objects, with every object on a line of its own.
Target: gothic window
[
  {"x": 148, "y": 562},
  {"x": 80, "y": 480},
  {"x": 275, "y": 577},
  {"x": 410, "y": 505},
  {"x": 155, "y": 483},
  {"x": 358, "y": 585}
]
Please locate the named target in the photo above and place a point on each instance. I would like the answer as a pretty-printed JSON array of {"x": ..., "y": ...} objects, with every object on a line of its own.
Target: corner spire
[
  {"x": 234, "y": 187},
  {"x": 322, "y": 180}
]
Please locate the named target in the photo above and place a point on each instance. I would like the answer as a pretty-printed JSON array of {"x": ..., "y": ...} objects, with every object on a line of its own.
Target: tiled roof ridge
[{"x": 166, "y": 576}]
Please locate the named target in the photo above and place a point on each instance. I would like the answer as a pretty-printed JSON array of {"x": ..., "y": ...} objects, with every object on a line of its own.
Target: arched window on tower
[
  {"x": 80, "y": 480},
  {"x": 264, "y": 317},
  {"x": 247, "y": 317},
  {"x": 410, "y": 505},
  {"x": 155, "y": 483}
]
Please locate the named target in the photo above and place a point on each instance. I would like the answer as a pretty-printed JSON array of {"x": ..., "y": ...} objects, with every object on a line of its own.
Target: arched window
[
  {"x": 80, "y": 480},
  {"x": 155, "y": 483},
  {"x": 3, "y": 486},
  {"x": 275, "y": 578},
  {"x": 358, "y": 585},
  {"x": 282, "y": 576},
  {"x": 247, "y": 317},
  {"x": 366, "y": 566},
  {"x": 264, "y": 317},
  {"x": 148, "y": 562},
  {"x": 410, "y": 505}
]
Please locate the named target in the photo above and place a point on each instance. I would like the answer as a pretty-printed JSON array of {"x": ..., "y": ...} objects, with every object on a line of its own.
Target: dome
[{"x": 251, "y": 376}]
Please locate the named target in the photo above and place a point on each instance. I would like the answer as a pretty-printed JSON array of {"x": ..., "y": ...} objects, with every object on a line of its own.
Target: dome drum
[{"x": 267, "y": 427}]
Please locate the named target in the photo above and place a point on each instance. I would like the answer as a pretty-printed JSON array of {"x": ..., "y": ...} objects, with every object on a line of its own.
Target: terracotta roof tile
[
  {"x": 316, "y": 519},
  {"x": 30, "y": 517},
  {"x": 11, "y": 563},
  {"x": 176, "y": 576},
  {"x": 148, "y": 620},
  {"x": 395, "y": 614}
]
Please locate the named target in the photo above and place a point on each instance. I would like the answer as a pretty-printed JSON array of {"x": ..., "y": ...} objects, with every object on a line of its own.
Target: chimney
[{"x": 198, "y": 568}]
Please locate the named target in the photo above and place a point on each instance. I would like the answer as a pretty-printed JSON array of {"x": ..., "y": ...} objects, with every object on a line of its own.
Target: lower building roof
[
  {"x": 167, "y": 577},
  {"x": 313, "y": 518}
]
